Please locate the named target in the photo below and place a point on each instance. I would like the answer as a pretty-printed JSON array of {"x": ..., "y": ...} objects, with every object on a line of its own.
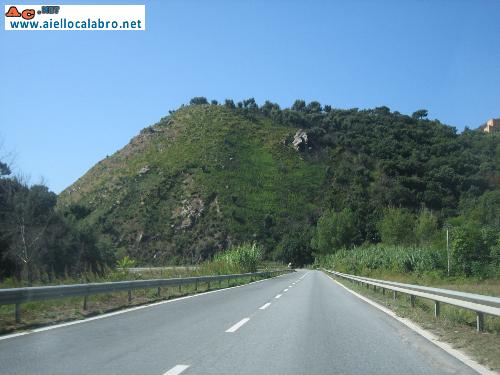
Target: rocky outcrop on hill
[{"x": 300, "y": 140}]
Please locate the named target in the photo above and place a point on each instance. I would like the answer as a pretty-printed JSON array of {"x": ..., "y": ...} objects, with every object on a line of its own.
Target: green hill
[{"x": 208, "y": 176}]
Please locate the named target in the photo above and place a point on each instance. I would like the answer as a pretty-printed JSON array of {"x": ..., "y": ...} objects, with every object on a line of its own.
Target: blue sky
[{"x": 68, "y": 98}]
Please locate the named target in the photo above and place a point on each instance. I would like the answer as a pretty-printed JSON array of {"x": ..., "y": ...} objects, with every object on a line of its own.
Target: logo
[
  {"x": 27, "y": 14},
  {"x": 74, "y": 17}
]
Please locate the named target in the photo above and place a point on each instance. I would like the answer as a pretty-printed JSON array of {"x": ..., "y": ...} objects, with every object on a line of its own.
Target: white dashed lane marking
[
  {"x": 176, "y": 370},
  {"x": 263, "y": 307},
  {"x": 237, "y": 325}
]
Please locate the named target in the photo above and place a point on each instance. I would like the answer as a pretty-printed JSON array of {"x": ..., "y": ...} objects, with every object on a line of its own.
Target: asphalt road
[{"x": 313, "y": 327}]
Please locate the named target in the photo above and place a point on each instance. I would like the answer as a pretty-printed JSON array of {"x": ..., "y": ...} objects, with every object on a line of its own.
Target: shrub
[
  {"x": 125, "y": 262},
  {"x": 426, "y": 228},
  {"x": 334, "y": 231},
  {"x": 469, "y": 250},
  {"x": 198, "y": 100},
  {"x": 229, "y": 103},
  {"x": 396, "y": 227},
  {"x": 243, "y": 258}
]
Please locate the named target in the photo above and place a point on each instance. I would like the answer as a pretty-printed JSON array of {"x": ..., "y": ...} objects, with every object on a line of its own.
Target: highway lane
[{"x": 300, "y": 323}]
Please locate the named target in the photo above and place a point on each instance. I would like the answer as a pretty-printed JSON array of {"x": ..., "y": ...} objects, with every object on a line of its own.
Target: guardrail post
[
  {"x": 412, "y": 301},
  {"x": 437, "y": 309},
  {"x": 480, "y": 321},
  {"x": 158, "y": 292},
  {"x": 374, "y": 288},
  {"x": 394, "y": 295},
  {"x": 85, "y": 302},
  {"x": 180, "y": 289},
  {"x": 17, "y": 312},
  {"x": 196, "y": 285},
  {"x": 129, "y": 296},
  {"x": 208, "y": 285},
  {"x": 383, "y": 291}
]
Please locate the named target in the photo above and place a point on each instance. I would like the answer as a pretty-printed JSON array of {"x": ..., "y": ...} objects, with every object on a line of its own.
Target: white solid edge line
[
  {"x": 462, "y": 357},
  {"x": 265, "y": 306},
  {"x": 176, "y": 370},
  {"x": 278, "y": 296},
  {"x": 108, "y": 315},
  {"x": 235, "y": 327},
  {"x": 286, "y": 290}
]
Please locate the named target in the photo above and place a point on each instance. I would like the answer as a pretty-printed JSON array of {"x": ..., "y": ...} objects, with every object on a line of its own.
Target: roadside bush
[
  {"x": 470, "y": 251},
  {"x": 397, "y": 227},
  {"x": 334, "y": 231},
  {"x": 426, "y": 228},
  {"x": 239, "y": 259}
]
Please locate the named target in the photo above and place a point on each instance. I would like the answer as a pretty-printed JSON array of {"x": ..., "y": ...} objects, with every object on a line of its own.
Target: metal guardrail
[
  {"x": 17, "y": 296},
  {"x": 475, "y": 302},
  {"x": 471, "y": 297}
]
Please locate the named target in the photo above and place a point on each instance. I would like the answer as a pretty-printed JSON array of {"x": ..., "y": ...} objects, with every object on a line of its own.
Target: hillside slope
[
  {"x": 196, "y": 182},
  {"x": 208, "y": 176}
]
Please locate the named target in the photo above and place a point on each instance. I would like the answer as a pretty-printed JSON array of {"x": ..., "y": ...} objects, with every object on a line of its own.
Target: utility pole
[
  {"x": 447, "y": 227},
  {"x": 448, "y": 248}
]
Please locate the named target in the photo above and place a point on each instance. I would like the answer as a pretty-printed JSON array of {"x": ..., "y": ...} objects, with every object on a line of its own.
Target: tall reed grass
[
  {"x": 398, "y": 259},
  {"x": 240, "y": 259}
]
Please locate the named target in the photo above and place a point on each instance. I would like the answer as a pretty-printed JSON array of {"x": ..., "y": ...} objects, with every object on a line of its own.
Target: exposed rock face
[
  {"x": 144, "y": 170},
  {"x": 190, "y": 211},
  {"x": 300, "y": 140}
]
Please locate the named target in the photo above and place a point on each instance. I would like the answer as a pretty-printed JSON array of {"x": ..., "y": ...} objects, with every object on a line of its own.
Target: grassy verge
[
  {"x": 455, "y": 326},
  {"x": 42, "y": 313},
  {"x": 245, "y": 258}
]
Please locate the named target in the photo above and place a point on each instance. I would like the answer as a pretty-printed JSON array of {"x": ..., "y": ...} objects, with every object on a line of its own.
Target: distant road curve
[{"x": 301, "y": 323}]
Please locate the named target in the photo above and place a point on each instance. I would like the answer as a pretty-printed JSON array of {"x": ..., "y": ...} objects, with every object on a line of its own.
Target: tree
[
  {"x": 313, "y": 107},
  {"x": 299, "y": 105},
  {"x": 229, "y": 103},
  {"x": 250, "y": 104},
  {"x": 420, "y": 114},
  {"x": 384, "y": 110},
  {"x": 7, "y": 188},
  {"x": 426, "y": 227},
  {"x": 35, "y": 238},
  {"x": 269, "y": 107},
  {"x": 469, "y": 249},
  {"x": 334, "y": 231},
  {"x": 198, "y": 100},
  {"x": 214, "y": 102},
  {"x": 295, "y": 247},
  {"x": 4, "y": 169},
  {"x": 396, "y": 227},
  {"x": 33, "y": 210},
  {"x": 487, "y": 209}
]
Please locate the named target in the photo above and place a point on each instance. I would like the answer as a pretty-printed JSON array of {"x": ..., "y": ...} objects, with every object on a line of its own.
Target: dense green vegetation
[
  {"x": 211, "y": 176},
  {"x": 36, "y": 241},
  {"x": 240, "y": 259}
]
